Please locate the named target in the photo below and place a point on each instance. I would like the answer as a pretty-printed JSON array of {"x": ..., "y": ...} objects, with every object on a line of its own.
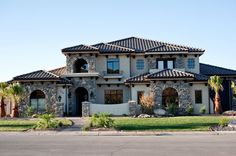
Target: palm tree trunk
[
  {"x": 217, "y": 104},
  {"x": 2, "y": 110},
  {"x": 15, "y": 113}
]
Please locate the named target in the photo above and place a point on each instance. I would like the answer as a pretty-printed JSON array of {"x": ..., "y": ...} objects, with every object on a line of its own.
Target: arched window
[
  {"x": 37, "y": 101},
  {"x": 80, "y": 66},
  {"x": 170, "y": 96}
]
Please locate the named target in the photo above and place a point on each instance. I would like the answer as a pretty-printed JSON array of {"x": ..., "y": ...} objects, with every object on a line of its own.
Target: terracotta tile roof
[
  {"x": 210, "y": 70},
  {"x": 104, "y": 48},
  {"x": 133, "y": 44},
  {"x": 170, "y": 73},
  {"x": 166, "y": 74},
  {"x": 137, "y": 79},
  {"x": 81, "y": 48},
  {"x": 38, "y": 75},
  {"x": 58, "y": 71}
]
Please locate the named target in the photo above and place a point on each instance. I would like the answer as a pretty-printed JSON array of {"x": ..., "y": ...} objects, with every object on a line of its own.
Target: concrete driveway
[{"x": 63, "y": 145}]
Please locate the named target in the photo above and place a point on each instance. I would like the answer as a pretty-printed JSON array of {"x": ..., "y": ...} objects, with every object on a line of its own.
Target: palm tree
[
  {"x": 15, "y": 91},
  {"x": 215, "y": 83},
  {"x": 3, "y": 94}
]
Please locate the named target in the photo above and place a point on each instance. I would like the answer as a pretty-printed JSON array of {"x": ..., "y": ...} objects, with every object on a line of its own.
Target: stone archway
[
  {"x": 80, "y": 66},
  {"x": 170, "y": 96},
  {"x": 81, "y": 95}
]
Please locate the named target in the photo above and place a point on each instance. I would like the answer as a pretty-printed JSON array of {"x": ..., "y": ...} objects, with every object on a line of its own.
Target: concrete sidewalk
[{"x": 116, "y": 133}]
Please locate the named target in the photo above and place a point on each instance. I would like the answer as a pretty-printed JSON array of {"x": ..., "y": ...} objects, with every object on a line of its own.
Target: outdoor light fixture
[{"x": 59, "y": 98}]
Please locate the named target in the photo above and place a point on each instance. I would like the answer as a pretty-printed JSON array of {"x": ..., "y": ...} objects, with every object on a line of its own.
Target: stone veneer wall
[
  {"x": 50, "y": 91},
  {"x": 179, "y": 61},
  {"x": 70, "y": 60},
  {"x": 86, "y": 82},
  {"x": 181, "y": 87}
]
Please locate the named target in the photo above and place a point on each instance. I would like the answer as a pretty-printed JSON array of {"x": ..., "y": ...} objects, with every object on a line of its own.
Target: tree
[
  {"x": 3, "y": 94},
  {"x": 147, "y": 103},
  {"x": 15, "y": 91},
  {"x": 215, "y": 83}
]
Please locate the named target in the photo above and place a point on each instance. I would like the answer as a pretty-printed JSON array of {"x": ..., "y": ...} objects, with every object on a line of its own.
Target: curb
[{"x": 114, "y": 133}]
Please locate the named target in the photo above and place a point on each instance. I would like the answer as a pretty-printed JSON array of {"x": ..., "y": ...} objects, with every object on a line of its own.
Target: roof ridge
[
  {"x": 162, "y": 42},
  {"x": 120, "y": 47},
  {"x": 122, "y": 39},
  {"x": 51, "y": 73}
]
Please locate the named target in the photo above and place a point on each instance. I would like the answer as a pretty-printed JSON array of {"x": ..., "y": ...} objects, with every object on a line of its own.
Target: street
[{"x": 63, "y": 145}]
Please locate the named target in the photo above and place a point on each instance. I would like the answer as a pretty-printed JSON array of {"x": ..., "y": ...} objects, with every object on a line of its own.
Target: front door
[{"x": 81, "y": 95}]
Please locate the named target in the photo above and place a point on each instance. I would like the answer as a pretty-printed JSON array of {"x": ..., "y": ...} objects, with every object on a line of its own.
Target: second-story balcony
[{"x": 114, "y": 74}]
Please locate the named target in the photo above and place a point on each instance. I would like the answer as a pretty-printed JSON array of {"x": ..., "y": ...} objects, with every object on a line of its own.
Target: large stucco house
[{"x": 112, "y": 76}]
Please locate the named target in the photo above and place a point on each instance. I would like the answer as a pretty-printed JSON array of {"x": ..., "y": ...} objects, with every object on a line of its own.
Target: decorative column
[{"x": 85, "y": 109}]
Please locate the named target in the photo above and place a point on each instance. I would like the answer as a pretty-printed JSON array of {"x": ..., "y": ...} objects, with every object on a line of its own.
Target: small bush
[
  {"x": 202, "y": 110},
  {"x": 47, "y": 121},
  {"x": 190, "y": 110},
  {"x": 172, "y": 108},
  {"x": 147, "y": 104},
  {"x": 223, "y": 122},
  {"x": 102, "y": 120},
  {"x": 29, "y": 111}
]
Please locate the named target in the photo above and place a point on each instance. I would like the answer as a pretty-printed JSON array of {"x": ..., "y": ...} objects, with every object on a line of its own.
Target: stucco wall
[
  {"x": 194, "y": 70},
  {"x": 134, "y": 70},
  {"x": 114, "y": 109},
  {"x": 100, "y": 92},
  {"x": 137, "y": 88},
  {"x": 205, "y": 97}
]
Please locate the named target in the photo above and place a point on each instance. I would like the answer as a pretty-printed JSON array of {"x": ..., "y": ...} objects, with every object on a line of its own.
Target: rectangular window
[
  {"x": 113, "y": 96},
  {"x": 160, "y": 65},
  {"x": 113, "y": 66},
  {"x": 140, "y": 64},
  {"x": 165, "y": 64},
  {"x": 139, "y": 95},
  {"x": 198, "y": 96},
  {"x": 191, "y": 63},
  {"x": 170, "y": 64}
]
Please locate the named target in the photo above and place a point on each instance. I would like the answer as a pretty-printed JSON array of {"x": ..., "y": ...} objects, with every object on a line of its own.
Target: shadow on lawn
[{"x": 187, "y": 126}]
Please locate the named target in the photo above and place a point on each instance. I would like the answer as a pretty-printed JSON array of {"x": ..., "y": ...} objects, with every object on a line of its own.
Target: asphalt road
[{"x": 62, "y": 145}]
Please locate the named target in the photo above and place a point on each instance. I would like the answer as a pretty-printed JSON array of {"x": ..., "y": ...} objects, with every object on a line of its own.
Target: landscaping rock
[
  {"x": 230, "y": 113},
  {"x": 160, "y": 112},
  {"x": 232, "y": 124},
  {"x": 145, "y": 116}
]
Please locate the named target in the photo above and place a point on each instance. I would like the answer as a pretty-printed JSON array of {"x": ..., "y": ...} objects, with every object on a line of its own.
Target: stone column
[
  {"x": 59, "y": 109},
  {"x": 85, "y": 108},
  {"x": 132, "y": 107}
]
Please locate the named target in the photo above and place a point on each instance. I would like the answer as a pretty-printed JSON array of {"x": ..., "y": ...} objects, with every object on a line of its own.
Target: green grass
[
  {"x": 19, "y": 125},
  {"x": 184, "y": 123}
]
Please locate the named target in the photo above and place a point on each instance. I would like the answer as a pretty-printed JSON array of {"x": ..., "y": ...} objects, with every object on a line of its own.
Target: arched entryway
[
  {"x": 80, "y": 66},
  {"x": 170, "y": 96},
  {"x": 81, "y": 95},
  {"x": 37, "y": 101}
]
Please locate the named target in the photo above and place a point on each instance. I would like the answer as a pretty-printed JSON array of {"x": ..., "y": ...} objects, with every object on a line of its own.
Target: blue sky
[{"x": 32, "y": 33}]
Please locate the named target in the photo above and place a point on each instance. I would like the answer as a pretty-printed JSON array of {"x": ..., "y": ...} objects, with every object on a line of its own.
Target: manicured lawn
[
  {"x": 23, "y": 124},
  {"x": 184, "y": 123}
]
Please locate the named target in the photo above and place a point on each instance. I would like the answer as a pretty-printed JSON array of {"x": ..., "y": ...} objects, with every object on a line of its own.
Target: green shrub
[
  {"x": 223, "y": 122},
  {"x": 47, "y": 121},
  {"x": 172, "y": 108},
  {"x": 202, "y": 110},
  {"x": 29, "y": 111},
  {"x": 102, "y": 120},
  {"x": 190, "y": 110}
]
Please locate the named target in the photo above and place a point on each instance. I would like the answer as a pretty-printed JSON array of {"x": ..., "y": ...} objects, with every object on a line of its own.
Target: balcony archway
[{"x": 80, "y": 66}]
